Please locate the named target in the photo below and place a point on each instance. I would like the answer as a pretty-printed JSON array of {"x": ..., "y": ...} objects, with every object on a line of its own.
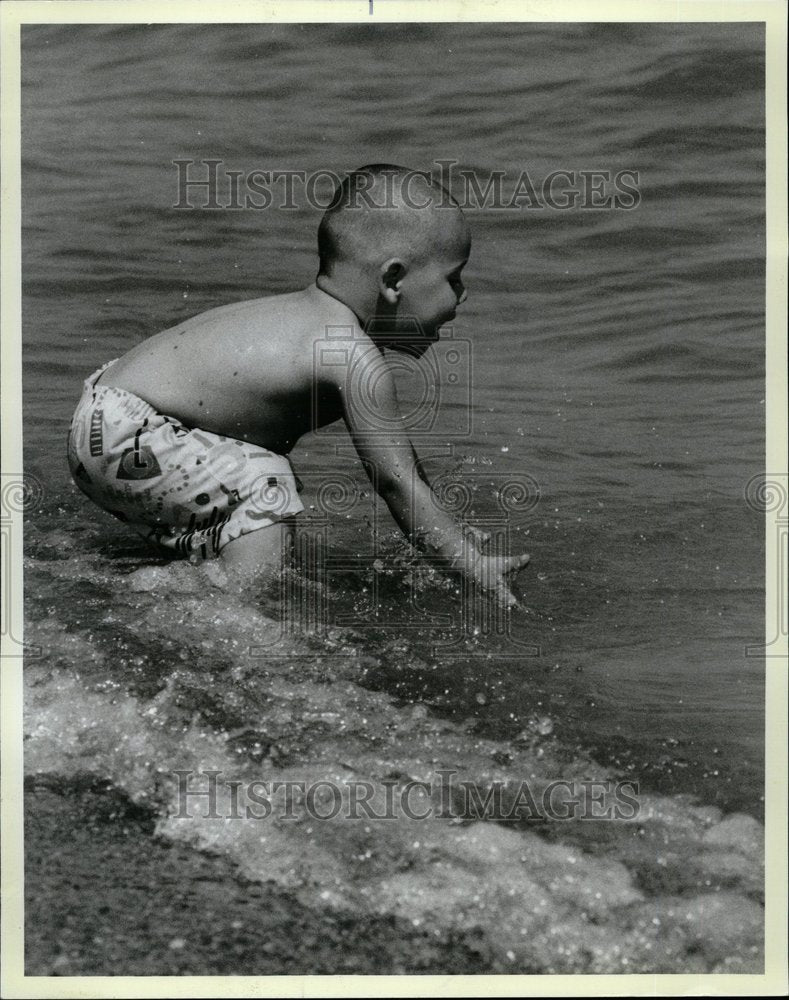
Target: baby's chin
[{"x": 410, "y": 337}]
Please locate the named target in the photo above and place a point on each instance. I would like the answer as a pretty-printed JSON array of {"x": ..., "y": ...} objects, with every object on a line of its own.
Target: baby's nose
[{"x": 463, "y": 297}]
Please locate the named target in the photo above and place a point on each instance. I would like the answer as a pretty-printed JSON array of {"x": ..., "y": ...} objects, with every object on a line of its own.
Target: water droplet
[{"x": 542, "y": 724}]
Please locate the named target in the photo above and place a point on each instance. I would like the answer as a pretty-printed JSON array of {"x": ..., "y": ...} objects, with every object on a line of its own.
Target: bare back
[{"x": 245, "y": 370}]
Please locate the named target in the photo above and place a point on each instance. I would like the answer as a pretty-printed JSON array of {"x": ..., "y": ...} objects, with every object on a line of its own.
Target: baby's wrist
[{"x": 468, "y": 561}]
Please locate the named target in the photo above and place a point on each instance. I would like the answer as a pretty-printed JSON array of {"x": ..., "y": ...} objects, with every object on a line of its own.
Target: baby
[{"x": 185, "y": 437}]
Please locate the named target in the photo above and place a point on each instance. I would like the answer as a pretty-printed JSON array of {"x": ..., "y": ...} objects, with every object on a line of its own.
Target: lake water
[{"x": 616, "y": 358}]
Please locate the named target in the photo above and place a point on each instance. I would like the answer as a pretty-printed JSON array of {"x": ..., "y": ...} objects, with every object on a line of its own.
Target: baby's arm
[
  {"x": 381, "y": 439},
  {"x": 479, "y": 536}
]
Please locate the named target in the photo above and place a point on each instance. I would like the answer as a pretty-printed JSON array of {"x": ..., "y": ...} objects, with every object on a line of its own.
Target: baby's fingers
[
  {"x": 505, "y": 596},
  {"x": 514, "y": 563}
]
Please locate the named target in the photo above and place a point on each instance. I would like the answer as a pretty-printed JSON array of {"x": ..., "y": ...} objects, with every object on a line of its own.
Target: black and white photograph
[{"x": 399, "y": 536}]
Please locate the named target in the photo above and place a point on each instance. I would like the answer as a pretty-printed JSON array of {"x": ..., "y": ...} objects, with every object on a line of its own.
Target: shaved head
[{"x": 384, "y": 211}]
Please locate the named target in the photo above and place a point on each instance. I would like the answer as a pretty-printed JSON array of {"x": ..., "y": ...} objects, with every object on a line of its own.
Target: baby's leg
[{"x": 259, "y": 555}]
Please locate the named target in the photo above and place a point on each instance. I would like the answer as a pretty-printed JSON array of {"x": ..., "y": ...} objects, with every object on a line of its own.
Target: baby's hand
[{"x": 489, "y": 573}]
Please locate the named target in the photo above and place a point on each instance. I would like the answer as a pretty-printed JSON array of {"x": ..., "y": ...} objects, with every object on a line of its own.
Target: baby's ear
[{"x": 390, "y": 278}]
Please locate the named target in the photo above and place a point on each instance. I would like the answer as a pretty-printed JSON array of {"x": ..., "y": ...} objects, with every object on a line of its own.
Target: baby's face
[{"x": 432, "y": 290}]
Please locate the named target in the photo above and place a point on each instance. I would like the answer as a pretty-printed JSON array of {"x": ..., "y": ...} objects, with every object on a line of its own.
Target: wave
[
  {"x": 700, "y": 75},
  {"x": 139, "y": 694}
]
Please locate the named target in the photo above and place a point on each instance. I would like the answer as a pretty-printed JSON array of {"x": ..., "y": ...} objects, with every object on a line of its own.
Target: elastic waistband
[
  {"x": 121, "y": 400},
  {"x": 90, "y": 381}
]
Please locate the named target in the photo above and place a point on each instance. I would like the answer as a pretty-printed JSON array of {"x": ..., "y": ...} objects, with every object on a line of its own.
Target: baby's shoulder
[{"x": 293, "y": 334}]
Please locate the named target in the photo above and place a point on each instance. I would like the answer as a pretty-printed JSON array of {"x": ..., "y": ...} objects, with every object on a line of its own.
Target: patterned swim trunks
[{"x": 186, "y": 490}]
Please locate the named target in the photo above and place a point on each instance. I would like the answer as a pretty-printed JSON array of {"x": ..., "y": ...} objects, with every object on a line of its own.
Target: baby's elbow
[
  {"x": 392, "y": 482},
  {"x": 389, "y": 483}
]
